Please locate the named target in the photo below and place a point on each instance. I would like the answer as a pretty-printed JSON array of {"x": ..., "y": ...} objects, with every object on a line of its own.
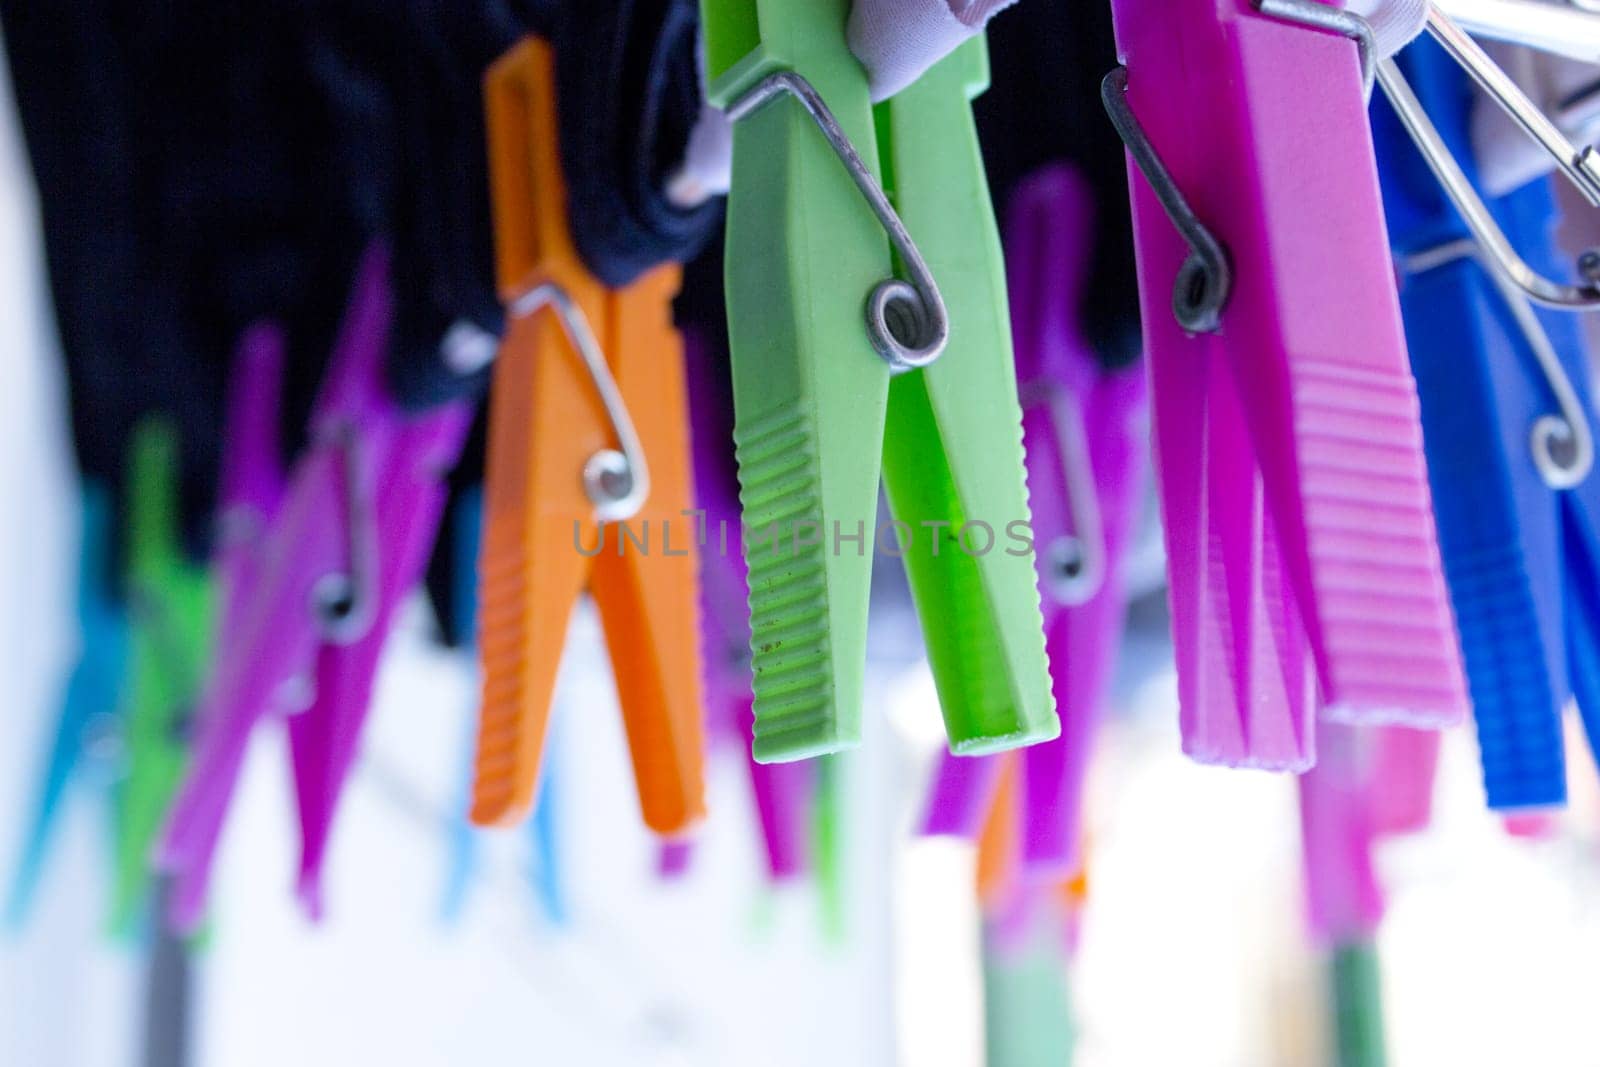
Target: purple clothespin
[
  {"x": 782, "y": 791},
  {"x": 314, "y": 589},
  {"x": 1298, "y": 519},
  {"x": 1085, "y": 429}
]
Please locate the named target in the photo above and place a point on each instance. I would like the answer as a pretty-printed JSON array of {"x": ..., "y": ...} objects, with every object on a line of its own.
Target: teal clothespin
[
  {"x": 83, "y": 746},
  {"x": 170, "y": 624},
  {"x": 922, "y": 390}
]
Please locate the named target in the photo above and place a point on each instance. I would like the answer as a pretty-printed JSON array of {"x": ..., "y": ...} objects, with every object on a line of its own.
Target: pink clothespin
[
  {"x": 783, "y": 792},
  {"x": 1298, "y": 519},
  {"x": 1338, "y": 830},
  {"x": 312, "y": 586},
  {"x": 1084, "y": 428}
]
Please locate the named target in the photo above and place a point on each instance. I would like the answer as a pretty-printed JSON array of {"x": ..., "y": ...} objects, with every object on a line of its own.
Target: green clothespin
[
  {"x": 818, "y": 323},
  {"x": 1027, "y": 1005},
  {"x": 170, "y": 603},
  {"x": 1357, "y": 1006}
]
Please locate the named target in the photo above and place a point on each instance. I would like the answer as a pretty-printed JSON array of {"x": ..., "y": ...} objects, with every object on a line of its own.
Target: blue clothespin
[
  {"x": 1502, "y": 387},
  {"x": 544, "y": 826},
  {"x": 85, "y": 738}
]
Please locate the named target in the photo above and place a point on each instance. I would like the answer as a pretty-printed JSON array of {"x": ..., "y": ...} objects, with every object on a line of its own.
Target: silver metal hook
[
  {"x": 346, "y": 602},
  {"x": 1333, "y": 20},
  {"x": 617, "y": 482},
  {"x": 1563, "y": 30},
  {"x": 1076, "y": 562},
  {"x": 1471, "y": 207},
  {"x": 1205, "y": 280},
  {"x": 1563, "y": 445},
  {"x": 907, "y": 323},
  {"x": 1578, "y": 164}
]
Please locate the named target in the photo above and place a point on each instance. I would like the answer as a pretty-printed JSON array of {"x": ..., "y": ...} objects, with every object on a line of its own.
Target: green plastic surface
[
  {"x": 170, "y": 622},
  {"x": 803, "y": 252},
  {"x": 1357, "y": 1006},
  {"x": 1027, "y": 1006},
  {"x": 953, "y": 450}
]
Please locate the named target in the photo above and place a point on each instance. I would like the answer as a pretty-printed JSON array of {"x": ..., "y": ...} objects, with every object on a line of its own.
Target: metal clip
[
  {"x": 907, "y": 323},
  {"x": 1560, "y": 29},
  {"x": 1075, "y": 564},
  {"x": 1470, "y": 206},
  {"x": 1205, "y": 280},
  {"x": 1333, "y": 20},
  {"x": 1563, "y": 445},
  {"x": 617, "y": 482},
  {"x": 1578, "y": 164},
  {"x": 346, "y": 603}
]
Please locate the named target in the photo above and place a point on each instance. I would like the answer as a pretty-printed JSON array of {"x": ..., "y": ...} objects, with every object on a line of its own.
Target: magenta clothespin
[
  {"x": 1085, "y": 430},
  {"x": 1344, "y": 901},
  {"x": 1293, "y": 482},
  {"x": 783, "y": 792},
  {"x": 318, "y": 579},
  {"x": 1404, "y": 766}
]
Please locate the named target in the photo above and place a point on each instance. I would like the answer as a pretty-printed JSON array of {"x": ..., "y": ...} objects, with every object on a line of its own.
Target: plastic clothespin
[
  {"x": 1298, "y": 519},
  {"x": 170, "y": 630},
  {"x": 310, "y": 588},
  {"x": 817, "y": 399},
  {"x": 544, "y": 837},
  {"x": 1084, "y": 434},
  {"x": 1508, "y": 424},
  {"x": 81, "y": 747},
  {"x": 588, "y": 447},
  {"x": 1347, "y": 804},
  {"x": 783, "y": 793}
]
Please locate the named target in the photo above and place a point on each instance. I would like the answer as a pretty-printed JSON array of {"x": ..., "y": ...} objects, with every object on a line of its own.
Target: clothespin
[
  {"x": 783, "y": 793},
  {"x": 1298, "y": 520},
  {"x": 170, "y": 621},
  {"x": 82, "y": 747},
  {"x": 1347, "y": 805},
  {"x": 310, "y": 595},
  {"x": 812, "y": 240},
  {"x": 1509, "y": 427},
  {"x": 544, "y": 839},
  {"x": 1084, "y": 435},
  {"x": 588, "y": 446}
]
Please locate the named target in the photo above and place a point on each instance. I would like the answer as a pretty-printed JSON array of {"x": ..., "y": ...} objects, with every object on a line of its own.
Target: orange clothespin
[{"x": 588, "y": 481}]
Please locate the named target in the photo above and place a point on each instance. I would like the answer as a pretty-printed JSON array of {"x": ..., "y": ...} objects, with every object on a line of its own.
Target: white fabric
[
  {"x": 897, "y": 40},
  {"x": 1394, "y": 22},
  {"x": 707, "y": 168}
]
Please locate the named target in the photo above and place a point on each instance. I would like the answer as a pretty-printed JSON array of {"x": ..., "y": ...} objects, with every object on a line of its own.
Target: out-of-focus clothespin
[
  {"x": 1085, "y": 430},
  {"x": 1347, "y": 805},
  {"x": 170, "y": 629},
  {"x": 1509, "y": 428},
  {"x": 544, "y": 828},
  {"x": 588, "y": 459},
  {"x": 83, "y": 747},
  {"x": 310, "y": 587},
  {"x": 1298, "y": 519},
  {"x": 812, "y": 242}
]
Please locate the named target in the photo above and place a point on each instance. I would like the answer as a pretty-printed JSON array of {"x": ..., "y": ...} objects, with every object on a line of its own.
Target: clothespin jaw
[
  {"x": 606, "y": 371},
  {"x": 810, "y": 392},
  {"x": 170, "y": 609},
  {"x": 1291, "y": 294},
  {"x": 953, "y": 443},
  {"x": 90, "y": 699}
]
